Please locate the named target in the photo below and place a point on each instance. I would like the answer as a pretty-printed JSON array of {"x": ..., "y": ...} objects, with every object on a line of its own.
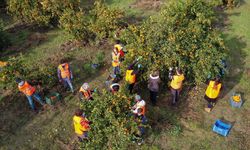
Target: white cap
[{"x": 21, "y": 83}]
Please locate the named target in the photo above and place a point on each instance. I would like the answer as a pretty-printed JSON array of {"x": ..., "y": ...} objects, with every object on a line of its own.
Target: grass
[{"x": 185, "y": 127}]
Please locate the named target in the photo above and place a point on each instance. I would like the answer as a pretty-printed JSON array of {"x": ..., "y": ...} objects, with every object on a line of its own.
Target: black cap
[{"x": 18, "y": 80}]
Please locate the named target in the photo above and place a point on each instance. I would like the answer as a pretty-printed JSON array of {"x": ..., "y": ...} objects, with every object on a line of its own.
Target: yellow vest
[
  {"x": 176, "y": 82},
  {"x": 118, "y": 46},
  {"x": 80, "y": 124},
  {"x": 129, "y": 77},
  {"x": 213, "y": 90},
  {"x": 115, "y": 60}
]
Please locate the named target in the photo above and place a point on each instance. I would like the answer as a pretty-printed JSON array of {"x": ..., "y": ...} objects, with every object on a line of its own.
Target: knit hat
[{"x": 85, "y": 86}]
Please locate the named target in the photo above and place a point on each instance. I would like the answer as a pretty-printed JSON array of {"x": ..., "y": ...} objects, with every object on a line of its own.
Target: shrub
[
  {"x": 17, "y": 68},
  {"x": 98, "y": 24},
  {"x": 76, "y": 24},
  {"x": 112, "y": 126},
  {"x": 105, "y": 20},
  {"x": 42, "y": 12},
  {"x": 99, "y": 58},
  {"x": 181, "y": 35}
]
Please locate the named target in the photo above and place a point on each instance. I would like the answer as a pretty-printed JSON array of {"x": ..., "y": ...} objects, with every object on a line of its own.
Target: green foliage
[
  {"x": 98, "y": 24},
  {"x": 17, "y": 68},
  {"x": 105, "y": 20},
  {"x": 76, "y": 24},
  {"x": 99, "y": 58},
  {"x": 4, "y": 39},
  {"x": 112, "y": 126},
  {"x": 42, "y": 12},
  {"x": 181, "y": 35},
  {"x": 175, "y": 130}
]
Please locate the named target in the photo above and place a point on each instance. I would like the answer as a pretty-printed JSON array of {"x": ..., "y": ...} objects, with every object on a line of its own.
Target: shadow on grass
[
  {"x": 236, "y": 55},
  {"x": 236, "y": 62},
  {"x": 15, "y": 114},
  {"x": 24, "y": 37}
]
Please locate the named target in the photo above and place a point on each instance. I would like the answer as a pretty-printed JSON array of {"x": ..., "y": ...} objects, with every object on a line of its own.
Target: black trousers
[
  {"x": 131, "y": 87},
  {"x": 153, "y": 96},
  {"x": 210, "y": 101},
  {"x": 175, "y": 95}
]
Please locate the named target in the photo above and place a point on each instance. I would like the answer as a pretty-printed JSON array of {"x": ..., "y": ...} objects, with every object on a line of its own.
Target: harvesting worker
[
  {"x": 29, "y": 92},
  {"x": 120, "y": 49},
  {"x": 85, "y": 93},
  {"x": 141, "y": 121},
  {"x": 64, "y": 74},
  {"x": 116, "y": 61},
  {"x": 153, "y": 86},
  {"x": 81, "y": 125},
  {"x": 212, "y": 93},
  {"x": 131, "y": 74},
  {"x": 176, "y": 83},
  {"x": 140, "y": 104},
  {"x": 115, "y": 86}
]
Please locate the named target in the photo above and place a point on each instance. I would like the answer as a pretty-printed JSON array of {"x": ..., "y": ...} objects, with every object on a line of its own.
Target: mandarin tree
[{"x": 181, "y": 35}]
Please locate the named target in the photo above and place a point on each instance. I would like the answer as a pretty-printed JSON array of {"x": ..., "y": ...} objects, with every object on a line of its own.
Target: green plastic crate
[{"x": 52, "y": 98}]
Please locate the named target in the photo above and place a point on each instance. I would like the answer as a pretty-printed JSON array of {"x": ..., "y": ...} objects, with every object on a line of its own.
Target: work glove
[
  {"x": 139, "y": 65},
  {"x": 140, "y": 57}
]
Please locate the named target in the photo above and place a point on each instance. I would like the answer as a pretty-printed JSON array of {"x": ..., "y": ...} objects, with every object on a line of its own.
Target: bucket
[
  {"x": 235, "y": 100},
  {"x": 52, "y": 98}
]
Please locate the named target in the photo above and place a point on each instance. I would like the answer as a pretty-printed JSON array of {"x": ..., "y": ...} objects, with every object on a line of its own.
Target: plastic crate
[
  {"x": 222, "y": 128},
  {"x": 236, "y": 104},
  {"x": 52, "y": 98}
]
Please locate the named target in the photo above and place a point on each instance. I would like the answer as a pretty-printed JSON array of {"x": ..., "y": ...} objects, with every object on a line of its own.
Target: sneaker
[
  {"x": 208, "y": 109},
  {"x": 140, "y": 142}
]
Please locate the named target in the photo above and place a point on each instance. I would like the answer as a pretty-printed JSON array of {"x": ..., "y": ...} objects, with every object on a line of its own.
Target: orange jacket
[
  {"x": 87, "y": 93},
  {"x": 27, "y": 89}
]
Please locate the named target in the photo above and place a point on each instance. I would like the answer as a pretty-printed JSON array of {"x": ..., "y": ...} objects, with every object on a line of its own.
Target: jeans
[
  {"x": 83, "y": 136},
  {"x": 153, "y": 96},
  {"x": 116, "y": 70},
  {"x": 38, "y": 99},
  {"x": 175, "y": 94},
  {"x": 67, "y": 83}
]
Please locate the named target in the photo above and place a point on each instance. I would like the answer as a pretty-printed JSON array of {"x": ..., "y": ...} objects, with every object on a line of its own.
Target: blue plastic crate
[{"x": 222, "y": 128}]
